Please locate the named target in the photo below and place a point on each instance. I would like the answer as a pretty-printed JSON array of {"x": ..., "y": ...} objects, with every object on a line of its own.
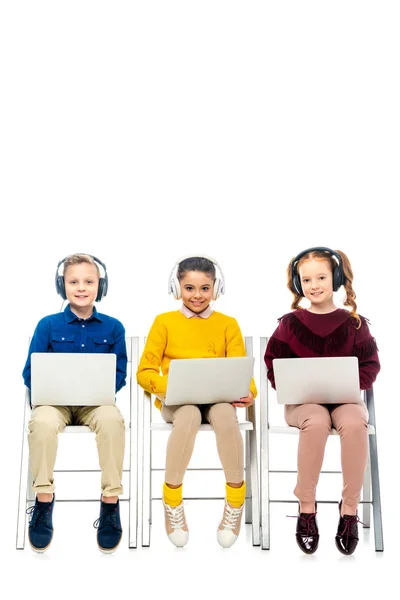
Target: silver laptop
[
  {"x": 208, "y": 380},
  {"x": 322, "y": 380},
  {"x": 72, "y": 379}
]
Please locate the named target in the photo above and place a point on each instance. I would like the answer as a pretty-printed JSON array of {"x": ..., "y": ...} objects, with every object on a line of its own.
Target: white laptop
[
  {"x": 72, "y": 379},
  {"x": 322, "y": 380},
  {"x": 208, "y": 380}
]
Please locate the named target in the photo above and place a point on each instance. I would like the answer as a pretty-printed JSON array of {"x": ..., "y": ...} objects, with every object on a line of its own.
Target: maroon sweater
[{"x": 303, "y": 334}]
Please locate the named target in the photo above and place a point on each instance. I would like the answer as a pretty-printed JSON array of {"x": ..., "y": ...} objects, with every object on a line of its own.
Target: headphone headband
[
  {"x": 173, "y": 282},
  {"x": 91, "y": 256},
  {"x": 103, "y": 281},
  {"x": 338, "y": 277}
]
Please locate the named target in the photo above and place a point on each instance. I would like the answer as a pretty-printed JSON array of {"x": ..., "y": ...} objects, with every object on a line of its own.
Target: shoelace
[
  {"x": 176, "y": 516},
  {"x": 108, "y": 517},
  {"x": 231, "y": 516},
  {"x": 348, "y": 523},
  {"x": 39, "y": 514},
  {"x": 309, "y": 522}
]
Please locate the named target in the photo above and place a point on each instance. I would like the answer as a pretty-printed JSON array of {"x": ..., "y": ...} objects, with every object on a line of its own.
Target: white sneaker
[
  {"x": 229, "y": 527},
  {"x": 175, "y": 524}
]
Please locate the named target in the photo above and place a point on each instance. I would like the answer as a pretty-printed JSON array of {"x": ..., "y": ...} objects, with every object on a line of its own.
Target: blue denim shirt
[{"x": 65, "y": 332}]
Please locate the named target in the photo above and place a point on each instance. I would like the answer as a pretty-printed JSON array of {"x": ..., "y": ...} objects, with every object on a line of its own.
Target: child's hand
[{"x": 245, "y": 402}]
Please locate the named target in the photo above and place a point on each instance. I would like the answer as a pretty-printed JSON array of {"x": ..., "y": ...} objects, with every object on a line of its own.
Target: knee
[
  {"x": 223, "y": 417},
  {"x": 43, "y": 423},
  {"x": 353, "y": 426},
  {"x": 110, "y": 419},
  {"x": 317, "y": 424},
  {"x": 188, "y": 416}
]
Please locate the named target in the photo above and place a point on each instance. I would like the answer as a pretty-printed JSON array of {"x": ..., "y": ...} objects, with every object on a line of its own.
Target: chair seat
[
  {"x": 77, "y": 429},
  {"x": 243, "y": 426},
  {"x": 294, "y": 430},
  {"x": 82, "y": 429}
]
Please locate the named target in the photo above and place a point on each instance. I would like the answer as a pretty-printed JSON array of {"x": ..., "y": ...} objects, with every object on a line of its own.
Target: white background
[{"x": 141, "y": 131}]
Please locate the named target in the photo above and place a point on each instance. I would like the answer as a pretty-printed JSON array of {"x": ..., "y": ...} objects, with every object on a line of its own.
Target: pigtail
[
  {"x": 290, "y": 285},
  {"x": 350, "y": 299}
]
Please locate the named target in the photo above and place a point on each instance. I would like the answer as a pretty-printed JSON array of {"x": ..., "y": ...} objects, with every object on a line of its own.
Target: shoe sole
[
  {"x": 227, "y": 545},
  {"x": 177, "y": 545},
  {"x": 108, "y": 550},
  {"x": 40, "y": 550},
  {"x": 345, "y": 553},
  {"x": 305, "y": 551}
]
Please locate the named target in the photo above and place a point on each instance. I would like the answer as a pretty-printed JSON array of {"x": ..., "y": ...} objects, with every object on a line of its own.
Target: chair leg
[
  {"x": 133, "y": 483},
  {"x": 366, "y": 495},
  {"x": 264, "y": 483},
  {"x": 376, "y": 495},
  {"x": 26, "y": 494},
  {"x": 146, "y": 485},
  {"x": 255, "y": 497},
  {"x": 249, "y": 491}
]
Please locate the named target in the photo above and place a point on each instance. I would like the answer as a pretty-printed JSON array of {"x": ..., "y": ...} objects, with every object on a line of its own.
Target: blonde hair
[{"x": 77, "y": 259}]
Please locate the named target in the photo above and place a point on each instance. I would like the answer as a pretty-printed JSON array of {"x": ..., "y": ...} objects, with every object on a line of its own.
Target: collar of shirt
[
  {"x": 189, "y": 313},
  {"x": 70, "y": 316}
]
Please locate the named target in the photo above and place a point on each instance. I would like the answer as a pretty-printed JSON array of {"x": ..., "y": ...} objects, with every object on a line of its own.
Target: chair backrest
[{"x": 127, "y": 396}]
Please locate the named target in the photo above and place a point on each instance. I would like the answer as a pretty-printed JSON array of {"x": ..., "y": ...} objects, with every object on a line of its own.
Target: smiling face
[
  {"x": 196, "y": 290},
  {"x": 317, "y": 284},
  {"x": 81, "y": 286}
]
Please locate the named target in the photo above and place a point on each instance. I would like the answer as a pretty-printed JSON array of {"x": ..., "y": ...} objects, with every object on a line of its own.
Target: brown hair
[
  {"x": 196, "y": 263},
  {"x": 347, "y": 271}
]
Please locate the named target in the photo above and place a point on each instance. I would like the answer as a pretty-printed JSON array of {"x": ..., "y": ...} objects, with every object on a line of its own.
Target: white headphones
[{"x": 174, "y": 285}]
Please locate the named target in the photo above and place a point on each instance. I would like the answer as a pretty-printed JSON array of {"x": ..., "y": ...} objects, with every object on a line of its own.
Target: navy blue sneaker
[
  {"x": 108, "y": 525},
  {"x": 41, "y": 525}
]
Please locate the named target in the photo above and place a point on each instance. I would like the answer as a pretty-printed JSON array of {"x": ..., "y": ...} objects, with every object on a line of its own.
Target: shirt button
[
  {"x": 83, "y": 326},
  {"x": 83, "y": 345},
  {"x": 104, "y": 340},
  {"x": 63, "y": 339}
]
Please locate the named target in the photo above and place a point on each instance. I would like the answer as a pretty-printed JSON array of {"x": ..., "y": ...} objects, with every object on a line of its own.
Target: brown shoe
[
  {"x": 307, "y": 536},
  {"x": 229, "y": 528},
  {"x": 175, "y": 524},
  {"x": 347, "y": 533}
]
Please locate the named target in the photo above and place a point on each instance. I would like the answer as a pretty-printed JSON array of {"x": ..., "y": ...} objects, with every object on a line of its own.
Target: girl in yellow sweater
[{"x": 196, "y": 331}]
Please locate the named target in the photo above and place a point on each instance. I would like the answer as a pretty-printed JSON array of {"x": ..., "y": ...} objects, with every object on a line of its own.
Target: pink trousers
[{"x": 315, "y": 422}]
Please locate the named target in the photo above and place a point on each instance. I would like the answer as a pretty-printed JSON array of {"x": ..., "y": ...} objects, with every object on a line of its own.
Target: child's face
[
  {"x": 196, "y": 290},
  {"x": 81, "y": 285},
  {"x": 316, "y": 281}
]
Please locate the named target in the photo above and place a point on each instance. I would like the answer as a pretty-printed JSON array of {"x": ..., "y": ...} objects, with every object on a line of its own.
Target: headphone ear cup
[
  {"x": 60, "y": 286},
  {"x": 297, "y": 284},
  {"x": 102, "y": 290},
  {"x": 175, "y": 288},
  {"x": 217, "y": 288},
  {"x": 338, "y": 278}
]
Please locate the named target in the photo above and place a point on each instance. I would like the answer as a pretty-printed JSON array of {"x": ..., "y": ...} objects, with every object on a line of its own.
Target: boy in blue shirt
[{"x": 79, "y": 328}]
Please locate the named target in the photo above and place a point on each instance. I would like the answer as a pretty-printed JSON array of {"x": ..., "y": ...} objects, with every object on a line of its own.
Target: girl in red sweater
[{"x": 322, "y": 329}]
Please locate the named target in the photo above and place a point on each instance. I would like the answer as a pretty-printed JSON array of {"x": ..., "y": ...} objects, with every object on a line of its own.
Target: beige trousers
[
  {"x": 107, "y": 423},
  {"x": 315, "y": 422},
  {"x": 186, "y": 421}
]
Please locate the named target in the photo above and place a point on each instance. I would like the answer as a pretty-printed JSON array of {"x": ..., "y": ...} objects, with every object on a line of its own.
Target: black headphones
[
  {"x": 103, "y": 281},
  {"x": 338, "y": 277}
]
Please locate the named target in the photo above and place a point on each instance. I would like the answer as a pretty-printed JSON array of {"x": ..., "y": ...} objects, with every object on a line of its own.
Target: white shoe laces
[
  {"x": 176, "y": 516},
  {"x": 231, "y": 516}
]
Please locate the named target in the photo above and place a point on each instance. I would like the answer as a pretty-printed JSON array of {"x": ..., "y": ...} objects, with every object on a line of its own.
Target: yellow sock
[
  {"x": 236, "y": 496},
  {"x": 172, "y": 496}
]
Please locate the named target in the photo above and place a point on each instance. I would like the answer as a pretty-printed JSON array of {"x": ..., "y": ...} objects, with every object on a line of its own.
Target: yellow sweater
[{"x": 173, "y": 335}]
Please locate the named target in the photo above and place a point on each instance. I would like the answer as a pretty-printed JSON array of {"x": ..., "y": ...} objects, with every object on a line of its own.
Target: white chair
[
  {"x": 371, "y": 477},
  {"x": 26, "y": 495},
  {"x": 146, "y": 429}
]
